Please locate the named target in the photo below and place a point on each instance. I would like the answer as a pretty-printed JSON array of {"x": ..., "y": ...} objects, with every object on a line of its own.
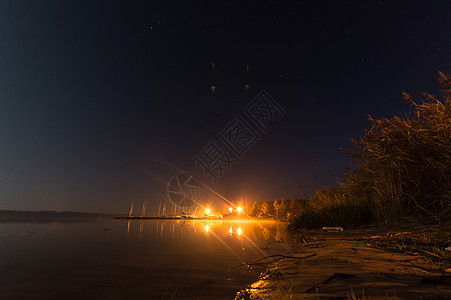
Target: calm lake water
[{"x": 120, "y": 259}]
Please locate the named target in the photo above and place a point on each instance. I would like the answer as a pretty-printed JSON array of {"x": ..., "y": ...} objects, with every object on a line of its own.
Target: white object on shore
[
  {"x": 448, "y": 248},
  {"x": 333, "y": 228}
]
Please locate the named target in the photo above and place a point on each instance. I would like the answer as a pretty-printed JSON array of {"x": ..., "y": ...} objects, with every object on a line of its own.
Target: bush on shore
[{"x": 402, "y": 171}]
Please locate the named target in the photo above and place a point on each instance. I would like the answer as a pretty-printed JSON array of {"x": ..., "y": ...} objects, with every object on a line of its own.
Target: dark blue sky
[{"x": 99, "y": 98}]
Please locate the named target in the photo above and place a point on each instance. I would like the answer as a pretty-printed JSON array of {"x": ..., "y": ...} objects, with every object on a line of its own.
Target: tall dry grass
[{"x": 402, "y": 170}]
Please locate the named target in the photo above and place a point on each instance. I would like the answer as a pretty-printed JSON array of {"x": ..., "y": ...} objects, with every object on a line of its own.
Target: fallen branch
[
  {"x": 432, "y": 254},
  {"x": 258, "y": 262},
  {"x": 329, "y": 279}
]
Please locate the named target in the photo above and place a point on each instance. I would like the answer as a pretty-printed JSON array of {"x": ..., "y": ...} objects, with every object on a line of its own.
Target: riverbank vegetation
[
  {"x": 402, "y": 171},
  {"x": 281, "y": 209}
]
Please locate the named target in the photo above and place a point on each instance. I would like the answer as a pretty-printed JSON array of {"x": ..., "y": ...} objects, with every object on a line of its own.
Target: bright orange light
[
  {"x": 207, "y": 228},
  {"x": 239, "y": 209},
  {"x": 231, "y": 230},
  {"x": 238, "y": 231},
  {"x": 231, "y": 209},
  {"x": 207, "y": 211}
]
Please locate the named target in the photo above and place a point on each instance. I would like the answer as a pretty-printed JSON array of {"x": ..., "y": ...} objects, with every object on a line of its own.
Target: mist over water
[{"x": 152, "y": 259}]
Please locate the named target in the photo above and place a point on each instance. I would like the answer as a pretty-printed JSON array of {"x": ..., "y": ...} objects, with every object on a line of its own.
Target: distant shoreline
[{"x": 50, "y": 216}]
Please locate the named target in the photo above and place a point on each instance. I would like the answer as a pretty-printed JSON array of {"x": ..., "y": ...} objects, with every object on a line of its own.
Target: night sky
[{"x": 103, "y": 102}]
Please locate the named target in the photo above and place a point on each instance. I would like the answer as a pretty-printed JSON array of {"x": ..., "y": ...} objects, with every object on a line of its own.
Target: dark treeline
[{"x": 284, "y": 208}]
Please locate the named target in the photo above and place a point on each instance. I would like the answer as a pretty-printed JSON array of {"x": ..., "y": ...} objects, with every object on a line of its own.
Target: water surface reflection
[{"x": 152, "y": 259}]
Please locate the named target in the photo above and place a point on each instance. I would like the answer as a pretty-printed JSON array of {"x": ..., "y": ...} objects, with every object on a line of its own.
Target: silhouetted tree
[
  {"x": 265, "y": 208},
  {"x": 270, "y": 210},
  {"x": 256, "y": 209},
  {"x": 276, "y": 205},
  {"x": 284, "y": 207}
]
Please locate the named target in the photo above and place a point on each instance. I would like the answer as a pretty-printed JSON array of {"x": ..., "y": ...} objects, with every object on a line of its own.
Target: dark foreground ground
[{"x": 396, "y": 262}]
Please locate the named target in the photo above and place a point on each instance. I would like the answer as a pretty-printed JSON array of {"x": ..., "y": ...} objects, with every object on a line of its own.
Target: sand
[{"x": 348, "y": 264}]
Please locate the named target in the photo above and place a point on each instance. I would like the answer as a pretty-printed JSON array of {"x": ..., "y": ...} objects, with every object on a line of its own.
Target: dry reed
[{"x": 402, "y": 170}]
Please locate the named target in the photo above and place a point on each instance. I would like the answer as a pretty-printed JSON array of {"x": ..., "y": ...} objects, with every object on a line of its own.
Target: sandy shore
[{"x": 353, "y": 264}]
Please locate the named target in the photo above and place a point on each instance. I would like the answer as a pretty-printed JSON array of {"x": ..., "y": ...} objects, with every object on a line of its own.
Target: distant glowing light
[
  {"x": 207, "y": 211},
  {"x": 231, "y": 230},
  {"x": 231, "y": 209},
  {"x": 207, "y": 228},
  {"x": 238, "y": 231},
  {"x": 239, "y": 209}
]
